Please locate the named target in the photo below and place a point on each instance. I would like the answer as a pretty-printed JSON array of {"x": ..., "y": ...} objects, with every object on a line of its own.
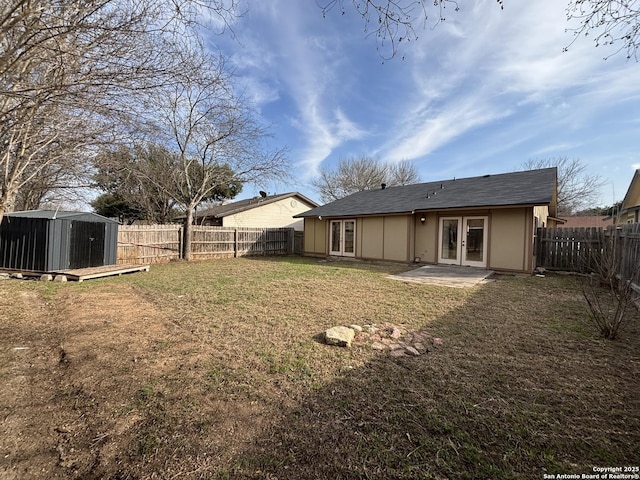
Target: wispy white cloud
[
  {"x": 488, "y": 64},
  {"x": 485, "y": 90},
  {"x": 290, "y": 59},
  {"x": 554, "y": 149}
]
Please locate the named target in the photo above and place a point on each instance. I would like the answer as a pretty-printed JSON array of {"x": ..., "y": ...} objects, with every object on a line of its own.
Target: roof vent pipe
[{"x": 384, "y": 185}]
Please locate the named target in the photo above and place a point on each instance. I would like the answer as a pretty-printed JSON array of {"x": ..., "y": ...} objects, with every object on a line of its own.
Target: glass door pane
[
  {"x": 349, "y": 231},
  {"x": 475, "y": 240},
  {"x": 449, "y": 246},
  {"x": 336, "y": 227}
]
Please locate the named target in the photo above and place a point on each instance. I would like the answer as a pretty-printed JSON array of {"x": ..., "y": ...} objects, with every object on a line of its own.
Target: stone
[
  {"x": 420, "y": 347},
  {"x": 437, "y": 342},
  {"x": 412, "y": 351},
  {"x": 46, "y": 277},
  {"x": 396, "y": 346},
  {"x": 421, "y": 337},
  {"x": 4, "y": 276},
  {"x": 378, "y": 346},
  {"x": 396, "y": 333},
  {"x": 60, "y": 278},
  {"x": 397, "y": 353},
  {"x": 339, "y": 336},
  {"x": 17, "y": 276},
  {"x": 355, "y": 327}
]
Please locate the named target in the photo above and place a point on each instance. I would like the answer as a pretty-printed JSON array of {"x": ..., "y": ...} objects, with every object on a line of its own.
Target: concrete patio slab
[{"x": 445, "y": 275}]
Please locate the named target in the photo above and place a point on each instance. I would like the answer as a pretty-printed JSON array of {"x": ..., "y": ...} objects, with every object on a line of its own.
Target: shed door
[{"x": 86, "y": 246}]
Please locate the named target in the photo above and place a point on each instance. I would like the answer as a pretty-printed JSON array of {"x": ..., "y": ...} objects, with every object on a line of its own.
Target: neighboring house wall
[
  {"x": 541, "y": 213},
  {"x": 273, "y": 215},
  {"x": 630, "y": 210}
]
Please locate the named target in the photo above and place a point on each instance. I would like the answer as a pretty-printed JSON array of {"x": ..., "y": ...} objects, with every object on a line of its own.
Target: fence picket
[
  {"x": 144, "y": 244},
  {"x": 578, "y": 249}
]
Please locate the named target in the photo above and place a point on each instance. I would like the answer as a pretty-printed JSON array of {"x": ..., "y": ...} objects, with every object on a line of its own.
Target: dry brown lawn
[{"x": 214, "y": 370}]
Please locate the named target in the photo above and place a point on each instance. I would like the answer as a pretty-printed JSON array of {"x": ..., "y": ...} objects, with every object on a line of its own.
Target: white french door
[
  {"x": 463, "y": 241},
  {"x": 343, "y": 238}
]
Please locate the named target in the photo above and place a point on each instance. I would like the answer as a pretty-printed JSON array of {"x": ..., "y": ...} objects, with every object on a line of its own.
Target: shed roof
[
  {"x": 220, "y": 211},
  {"x": 532, "y": 187},
  {"x": 55, "y": 214}
]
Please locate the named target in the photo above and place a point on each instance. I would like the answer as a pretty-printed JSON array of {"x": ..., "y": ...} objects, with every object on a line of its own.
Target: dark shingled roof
[
  {"x": 533, "y": 187},
  {"x": 220, "y": 211}
]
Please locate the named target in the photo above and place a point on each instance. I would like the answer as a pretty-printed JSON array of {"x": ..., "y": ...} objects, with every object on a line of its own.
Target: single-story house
[
  {"x": 487, "y": 221},
  {"x": 265, "y": 211},
  {"x": 630, "y": 208}
]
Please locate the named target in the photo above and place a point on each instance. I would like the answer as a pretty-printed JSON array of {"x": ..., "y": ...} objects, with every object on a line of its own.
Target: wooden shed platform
[{"x": 81, "y": 274}]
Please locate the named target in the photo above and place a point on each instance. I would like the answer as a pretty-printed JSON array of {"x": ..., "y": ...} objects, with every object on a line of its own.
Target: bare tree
[
  {"x": 614, "y": 22},
  {"x": 391, "y": 22},
  {"x": 215, "y": 136},
  {"x": 576, "y": 188},
  {"x": 70, "y": 73},
  {"x": 356, "y": 174},
  {"x": 610, "y": 290}
]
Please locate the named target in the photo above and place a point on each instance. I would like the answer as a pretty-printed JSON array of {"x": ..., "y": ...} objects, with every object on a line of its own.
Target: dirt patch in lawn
[{"x": 213, "y": 370}]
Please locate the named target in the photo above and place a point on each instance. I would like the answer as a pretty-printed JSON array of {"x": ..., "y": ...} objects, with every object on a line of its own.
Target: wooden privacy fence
[
  {"x": 145, "y": 244},
  {"x": 582, "y": 249}
]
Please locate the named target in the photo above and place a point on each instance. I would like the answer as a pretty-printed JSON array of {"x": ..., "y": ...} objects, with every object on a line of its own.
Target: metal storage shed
[{"x": 50, "y": 241}]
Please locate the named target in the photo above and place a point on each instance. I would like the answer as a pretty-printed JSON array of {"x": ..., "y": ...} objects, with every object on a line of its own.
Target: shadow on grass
[{"x": 507, "y": 396}]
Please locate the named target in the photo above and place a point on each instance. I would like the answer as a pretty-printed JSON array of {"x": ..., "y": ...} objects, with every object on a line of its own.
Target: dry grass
[{"x": 212, "y": 370}]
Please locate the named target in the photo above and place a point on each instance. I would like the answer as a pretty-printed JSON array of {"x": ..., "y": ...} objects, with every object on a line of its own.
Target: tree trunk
[
  {"x": 7, "y": 200},
  {"x": 187, "y": 234}
]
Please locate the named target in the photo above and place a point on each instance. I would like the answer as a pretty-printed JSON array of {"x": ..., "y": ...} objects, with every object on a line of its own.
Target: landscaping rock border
[{"x": 387, "y": 337}]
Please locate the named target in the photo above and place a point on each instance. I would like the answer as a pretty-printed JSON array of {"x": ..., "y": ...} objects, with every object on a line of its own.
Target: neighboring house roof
[
  {"x": 55, "y": 214},
  {"x": 578, "y": 221},
  {"x": 533, "y": 187},
  {"x": 632, "y": 198},
  {"x": 220, "y": 211}
]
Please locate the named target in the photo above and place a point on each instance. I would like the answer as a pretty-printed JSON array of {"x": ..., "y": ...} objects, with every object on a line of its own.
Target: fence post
[{"x": 235, "y": 243}]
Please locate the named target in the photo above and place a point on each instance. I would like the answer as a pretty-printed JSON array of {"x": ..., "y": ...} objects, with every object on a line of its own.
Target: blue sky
[{"x": 479, "y": 93}]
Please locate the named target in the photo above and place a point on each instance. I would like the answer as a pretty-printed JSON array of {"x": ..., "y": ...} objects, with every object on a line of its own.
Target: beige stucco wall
[
  {"x": 510, "y": 239},
  {"x": 383, "y": 238},
  {"x": 396, "y": 238},
  {"x": 315, "y": 236},
  {"x": 370, "y": 235},
  {"x": 403, "y": 237},
  {"x": 426, "y": 236},
  {"x": 510, "y": 236},
  {"x": 278, "y": 214}
]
